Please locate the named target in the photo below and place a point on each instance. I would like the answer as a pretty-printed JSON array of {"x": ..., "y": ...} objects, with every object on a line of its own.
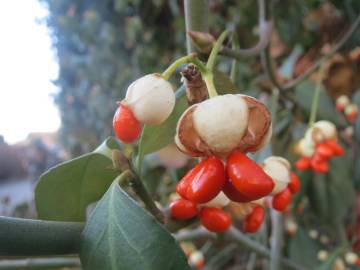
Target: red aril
[
  {"x": 295, "y": 183},
  {"x": 127, "y": 128},
  {"x": 183, "y": 209},
  {"x": 252, "y": 222},
  {"x": 215, "y": 219},
  {"x": 202, "y": 183},
  {"x": 248, "y": 177},
  {"x": 282, "y": 200}
]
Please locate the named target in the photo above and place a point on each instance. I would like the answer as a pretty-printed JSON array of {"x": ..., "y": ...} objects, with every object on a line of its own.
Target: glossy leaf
[
  {"x": 223, "y": 83},
  {"x": 155, "y": 137},
  {"x": 303, "y": 250},
  {"x": 64, "y": 191},
  {"x": 122, "y": 235},
  {"x": 326, "y": 109}
]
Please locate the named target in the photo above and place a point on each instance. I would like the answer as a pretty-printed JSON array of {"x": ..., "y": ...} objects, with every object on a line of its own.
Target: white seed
[
  {"x": 278, "y": 169},
  {"x": 342, "y": 100},
  {"x": 221, "y": 200},
  {"x": 322, "y": 255},
  {"x": 151, "y": 99},
  {"x": 221, "y": 122},
  {"x": 314, "y": 234},
  {"x": 306, "y": 147},
  {"x": 351, "y": 258},
  {"x": 327, "y": 129}
]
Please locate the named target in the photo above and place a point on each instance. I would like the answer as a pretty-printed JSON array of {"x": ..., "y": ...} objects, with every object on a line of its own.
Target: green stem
[
  {"x": 39, "y": 263},
  {"x": 24, "y": 237},
  {"x": 191, "y": 58},
  {"x": 208, "y": 78},
  {"x": 215, "y": 50},
  {"x": 144, "y": 195},
  {"x": 315, "y": 100}
]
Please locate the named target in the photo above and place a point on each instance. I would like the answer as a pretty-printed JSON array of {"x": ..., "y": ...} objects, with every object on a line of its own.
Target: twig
[
  {"x": 197, "y": 233},
  {"x": 316, "y": 96},
  {"x": 241, "y": 239},
  {"x": 265, "y": 30},
  {"x": 26, "y": 237},
  {"x": 196, "y": 14},
  {"x": 276, "y": 239},
  {"x": 39, "y": 263}
]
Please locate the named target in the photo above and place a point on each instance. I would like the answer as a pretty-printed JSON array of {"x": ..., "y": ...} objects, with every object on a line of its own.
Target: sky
[{"x": 27, "y": 66}]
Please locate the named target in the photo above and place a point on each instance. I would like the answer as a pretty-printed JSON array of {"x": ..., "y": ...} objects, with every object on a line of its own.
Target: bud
[
  {"x": 219, "y": 201},
  {"x": 341, "y": 102},
  {"x": 197, "y": 259},
  {"x": 151, "y": 98},
  {"x": 324, "y": 239},
  {"x": 278, "y": 169},
  {"x": 351, "y": 112},
  {"x": 202, "y": 41},
  {"x": 291, "y": 227},
  {"x": 221, "y": 124}
]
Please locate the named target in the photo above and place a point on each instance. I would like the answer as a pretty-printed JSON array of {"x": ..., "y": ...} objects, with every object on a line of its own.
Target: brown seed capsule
[{"x": 221, "y": 124}]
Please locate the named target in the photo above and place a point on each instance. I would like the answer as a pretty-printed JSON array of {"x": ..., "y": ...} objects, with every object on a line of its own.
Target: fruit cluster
[
  {"x": 149, "y": 100},
  {"x": 220, "y": 131},
  {"x": 344, "y": 105},
  {"x": 317, "y": 147}
]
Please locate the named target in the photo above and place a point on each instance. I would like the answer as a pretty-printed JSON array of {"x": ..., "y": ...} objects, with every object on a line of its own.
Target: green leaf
[
  {"x": 155, "y": 137},
  {"x": 122, "y": 235},
  {"x": 303, "y": 250},
  {"x": 326, "y": 110},
  {"x": 64, "y": 191},
  {"x": 223, "y": 83}
]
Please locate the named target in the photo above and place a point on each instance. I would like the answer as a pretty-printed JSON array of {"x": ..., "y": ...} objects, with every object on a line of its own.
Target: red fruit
[
  {"x": 183, "y": 209},
  {"x": 252, "y": 222},
  {"x": 304, "y": 163},
  {"x": 324, "y": 151},
  {"x": 233, "y": 194},
  {"x": 340, "y": 107},
  {"x": 282, "y": 200},
  {"x": 351, "y": 117},
  {"x": 319, "y": 165},
  {"x": 294, "y": 184},
  {"x": 248, "y": 177},
  {"x": 202, "y": 183},
  {"x": 127, "y": 128},
  {"x": 215, "y": 219},
  {"x": 335, "y": 147}
]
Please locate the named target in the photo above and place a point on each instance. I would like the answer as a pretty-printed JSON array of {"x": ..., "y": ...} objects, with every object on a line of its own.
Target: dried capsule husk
[
  {"x": 259, "y": 129},
  {"x": 196, "y": 90},
  {"x": 221, "y": 124},
  {"x": 151, "y": 98},
  {"x": 241, "y": 210},
  {"x": 278, "y": 169}
]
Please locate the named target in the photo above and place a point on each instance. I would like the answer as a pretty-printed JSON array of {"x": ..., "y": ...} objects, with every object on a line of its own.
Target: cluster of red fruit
[
  {"x": 209, "y": 185},
  {"x": 225, "y": 172},
  {"x": 349, "y": 109},
  {"x": 317, "y": 147}
]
